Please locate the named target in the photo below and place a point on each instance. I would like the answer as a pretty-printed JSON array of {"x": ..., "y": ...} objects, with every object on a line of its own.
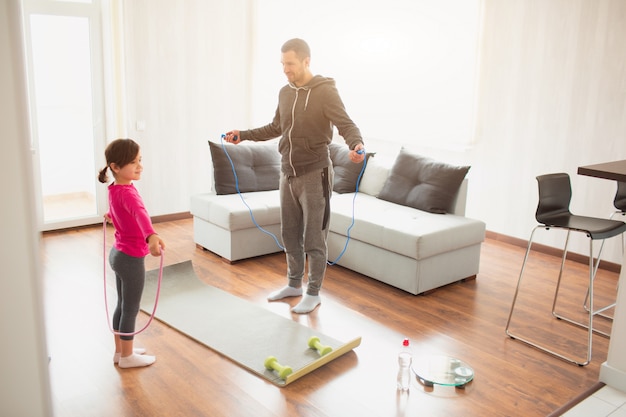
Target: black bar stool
[
  {"x": 620, "y": 204},
  {"x": 555, "y": 194},
  {"x": 620, "y": 199}
]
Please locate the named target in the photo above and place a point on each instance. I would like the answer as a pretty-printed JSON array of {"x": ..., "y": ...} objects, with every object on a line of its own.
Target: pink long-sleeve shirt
[{"x": 131, "y": 220}]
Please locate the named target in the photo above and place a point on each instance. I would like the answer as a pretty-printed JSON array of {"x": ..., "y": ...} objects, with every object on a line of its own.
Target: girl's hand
[{"x": 156, "y": 244}]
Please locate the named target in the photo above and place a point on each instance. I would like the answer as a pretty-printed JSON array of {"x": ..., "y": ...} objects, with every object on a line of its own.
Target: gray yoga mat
[{"x": 244, "y": 332}]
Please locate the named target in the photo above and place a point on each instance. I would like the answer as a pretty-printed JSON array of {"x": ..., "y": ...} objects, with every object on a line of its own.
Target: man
[{"x": 308, "y": 107}]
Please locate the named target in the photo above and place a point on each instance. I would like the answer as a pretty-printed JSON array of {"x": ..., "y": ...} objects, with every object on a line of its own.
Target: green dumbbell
[
  {"x": 271, "y": 363},
  {"x": 314, "y": 343}
]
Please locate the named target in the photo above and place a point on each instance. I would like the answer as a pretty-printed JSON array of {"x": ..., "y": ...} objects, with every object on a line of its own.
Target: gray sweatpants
[
  {"x": 130, "y": 276},
  {"x": 303, "y": 205}
]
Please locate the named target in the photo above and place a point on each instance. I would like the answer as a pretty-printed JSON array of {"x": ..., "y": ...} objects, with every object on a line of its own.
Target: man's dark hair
[{"x": 300, "y": 47}]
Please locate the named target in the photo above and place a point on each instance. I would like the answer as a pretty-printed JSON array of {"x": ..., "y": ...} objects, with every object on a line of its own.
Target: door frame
[{"x": 94, "y": 11}]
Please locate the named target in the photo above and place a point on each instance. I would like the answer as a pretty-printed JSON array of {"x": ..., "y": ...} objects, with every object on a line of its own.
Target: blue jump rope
[{"x": 358, "y": 181}]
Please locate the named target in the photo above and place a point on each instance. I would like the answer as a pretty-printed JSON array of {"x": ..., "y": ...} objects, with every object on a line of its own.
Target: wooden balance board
[{"x": 244, "y": 332}]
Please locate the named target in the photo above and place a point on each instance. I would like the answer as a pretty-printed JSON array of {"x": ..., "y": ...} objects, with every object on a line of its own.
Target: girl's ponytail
[{"x": 102, "y": 175}]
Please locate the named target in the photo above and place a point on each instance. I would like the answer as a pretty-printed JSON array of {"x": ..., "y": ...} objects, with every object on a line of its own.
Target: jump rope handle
[{"x": 236, "y": 138}]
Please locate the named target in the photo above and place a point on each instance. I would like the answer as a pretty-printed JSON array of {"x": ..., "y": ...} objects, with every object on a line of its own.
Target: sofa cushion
[
  {"x": 376, "y": 174},
  {"x": 423, "y": 183},
  {"x": 231, "y": 213},
  {"x": 346, "y": 172},
  {"x": 400, "y": 229},
  {"x": 257, "y": 165}
]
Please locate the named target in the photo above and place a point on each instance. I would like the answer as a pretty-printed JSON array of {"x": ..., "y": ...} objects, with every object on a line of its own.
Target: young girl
[{"x": 134, "y": 239}]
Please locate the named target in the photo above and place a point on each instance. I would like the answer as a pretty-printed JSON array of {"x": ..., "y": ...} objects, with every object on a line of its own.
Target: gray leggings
[{"x": 130, "y": 275}]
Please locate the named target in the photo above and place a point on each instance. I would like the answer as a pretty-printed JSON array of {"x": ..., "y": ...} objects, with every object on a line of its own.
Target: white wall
[
  {"x": 24, "y": 384},
  {"x": 552, "y": 97},
  {"x": 187, "y": 80},
  {"x": 408, "y": 57},
  {"x": 550, "y": 93}
]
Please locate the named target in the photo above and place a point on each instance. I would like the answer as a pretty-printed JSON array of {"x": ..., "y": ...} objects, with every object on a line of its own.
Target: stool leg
[
  {"x": 600, "y": 311},
  {"x": 519, "y": 282},
  {"x": 622, "y": 241},
  {"x": 517, "y": 290},
  {"x": 590, "y": 312},
  {"x": 558, "y": 281}
]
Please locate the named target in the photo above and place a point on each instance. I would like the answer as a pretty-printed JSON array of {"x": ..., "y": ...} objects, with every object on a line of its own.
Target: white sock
[
  {"x": 307, "y": 304},
  {"x": 136, "y": 361},
  {"x": 284, "y": 293},
  {"x": 118, "y": 355}
]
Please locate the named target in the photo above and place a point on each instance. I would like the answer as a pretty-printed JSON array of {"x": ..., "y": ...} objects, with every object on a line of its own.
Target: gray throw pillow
[
  {"x": 346, "y": 171},
  {"x": 423, "y": 183},
  {"x": 257, "y": 165}
]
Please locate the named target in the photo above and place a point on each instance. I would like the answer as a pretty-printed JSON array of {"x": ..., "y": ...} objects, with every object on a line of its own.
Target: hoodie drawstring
[
  {"x": 308, "y": 93},
  {"x": 306, "y": 103}
]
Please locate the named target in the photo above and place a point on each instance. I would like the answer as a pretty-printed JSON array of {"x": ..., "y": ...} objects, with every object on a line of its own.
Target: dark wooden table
[{"x": 615, "y": 170}]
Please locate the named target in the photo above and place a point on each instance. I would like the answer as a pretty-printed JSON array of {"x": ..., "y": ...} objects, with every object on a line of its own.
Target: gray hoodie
[{"x": 304, "y": 119}]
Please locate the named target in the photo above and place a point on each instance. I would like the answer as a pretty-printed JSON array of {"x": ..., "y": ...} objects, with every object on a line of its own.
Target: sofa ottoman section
[{"x": 223, "y": 225}]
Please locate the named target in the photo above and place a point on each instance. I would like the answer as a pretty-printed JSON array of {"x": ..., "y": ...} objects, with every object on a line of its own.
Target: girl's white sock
[
  {"x": 284, "y": 293},
  {"x": 307, "y": 304},
  {"x": 136, "y": 361},
  {"x": 118, "y": 355}
]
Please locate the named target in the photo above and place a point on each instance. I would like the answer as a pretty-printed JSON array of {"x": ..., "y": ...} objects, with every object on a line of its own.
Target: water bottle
[{"x": 404, "y": 366}]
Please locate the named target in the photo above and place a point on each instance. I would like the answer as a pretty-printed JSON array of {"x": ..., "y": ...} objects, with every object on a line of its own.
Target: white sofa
[{"x": 405, "y": 247}]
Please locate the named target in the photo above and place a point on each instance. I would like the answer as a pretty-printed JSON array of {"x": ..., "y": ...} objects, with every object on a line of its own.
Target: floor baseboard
[{"x": 609, "y": 266}]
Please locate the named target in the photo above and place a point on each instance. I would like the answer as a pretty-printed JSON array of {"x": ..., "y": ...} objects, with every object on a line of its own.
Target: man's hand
[
  {"x": 232, "y": 137},
  {"x": 355, "y": 155}
]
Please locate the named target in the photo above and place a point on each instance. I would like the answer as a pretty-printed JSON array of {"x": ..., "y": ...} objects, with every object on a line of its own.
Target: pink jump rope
[{"x": 106, "y": 303}]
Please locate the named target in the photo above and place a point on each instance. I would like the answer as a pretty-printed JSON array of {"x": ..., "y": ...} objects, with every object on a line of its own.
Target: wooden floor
[{"x": 465, "y": 319}]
